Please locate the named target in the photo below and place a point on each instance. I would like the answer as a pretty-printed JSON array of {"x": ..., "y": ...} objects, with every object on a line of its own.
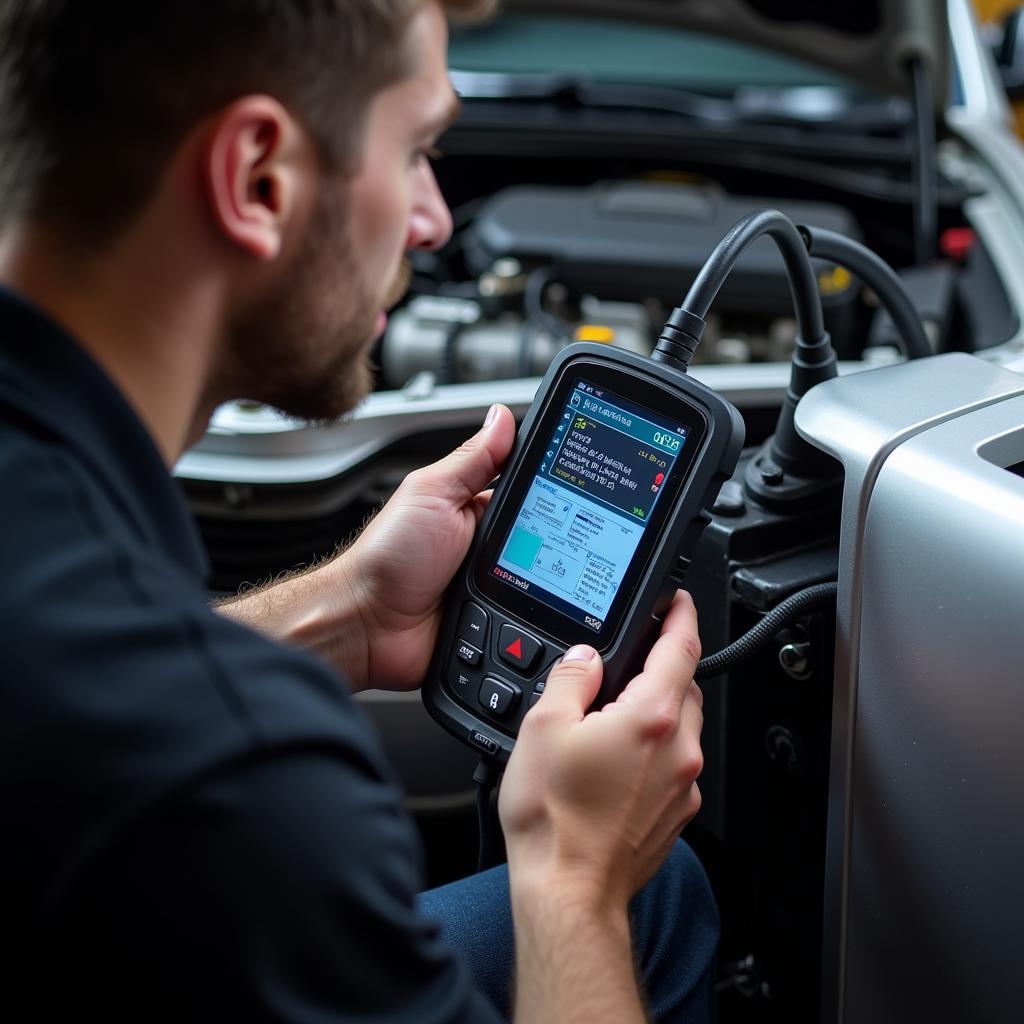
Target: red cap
[{"x": 956, "y": 243}]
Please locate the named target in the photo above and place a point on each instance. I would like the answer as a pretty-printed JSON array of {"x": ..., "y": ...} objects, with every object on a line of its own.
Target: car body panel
[{"x": 927, "y": 681}]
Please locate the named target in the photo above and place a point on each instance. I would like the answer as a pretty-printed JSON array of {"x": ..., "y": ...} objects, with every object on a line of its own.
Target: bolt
[
  {"x": 771, "y": 474},
  {"x": 779, "y": 743},
  {"x": 795, "y": 658}
]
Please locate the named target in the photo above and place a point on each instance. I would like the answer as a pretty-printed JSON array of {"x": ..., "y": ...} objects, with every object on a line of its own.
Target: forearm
[
  {"x": 316, "y": 610},
  {"x": 574, "y": 960}
]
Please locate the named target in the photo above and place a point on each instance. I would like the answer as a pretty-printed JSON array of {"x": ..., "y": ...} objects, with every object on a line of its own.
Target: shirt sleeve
[{"x": 281, "y": 888}]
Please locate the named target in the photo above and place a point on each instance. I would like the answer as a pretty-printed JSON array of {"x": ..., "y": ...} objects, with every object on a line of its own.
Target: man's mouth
[
  {"x": 400, "y": 284},
  {"x": 395, "y": 293}
]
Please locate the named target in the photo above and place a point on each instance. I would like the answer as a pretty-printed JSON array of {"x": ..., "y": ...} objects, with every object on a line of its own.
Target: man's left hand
[{"x": 401, "y": 565}]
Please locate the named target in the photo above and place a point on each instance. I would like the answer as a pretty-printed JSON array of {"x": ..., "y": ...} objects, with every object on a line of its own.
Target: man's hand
[
  {"x": 590, "y": 805},
  {"x": 404, "y": 560},
  {"x": 374, "y": 611}
]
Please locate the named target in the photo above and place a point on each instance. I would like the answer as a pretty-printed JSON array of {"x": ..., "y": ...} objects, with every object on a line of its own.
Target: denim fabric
[{"x": 675, "y": 933}]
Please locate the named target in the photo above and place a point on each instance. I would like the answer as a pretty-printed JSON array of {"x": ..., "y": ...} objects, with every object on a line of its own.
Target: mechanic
[{"x": 209, "y": 200}]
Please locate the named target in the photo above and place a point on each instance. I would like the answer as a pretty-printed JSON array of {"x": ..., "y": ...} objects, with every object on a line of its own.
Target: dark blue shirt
[{"x": 197, "y": 823}]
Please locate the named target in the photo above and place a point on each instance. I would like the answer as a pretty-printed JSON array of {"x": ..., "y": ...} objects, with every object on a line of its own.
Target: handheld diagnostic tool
[{"x": 586, "y": 539}]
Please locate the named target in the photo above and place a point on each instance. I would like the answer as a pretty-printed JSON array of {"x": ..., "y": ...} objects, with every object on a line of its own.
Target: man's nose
[{"x": 430, "y": 224}]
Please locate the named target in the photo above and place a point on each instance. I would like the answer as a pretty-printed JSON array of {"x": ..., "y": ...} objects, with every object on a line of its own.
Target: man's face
[{"x": 303, "y": 349}]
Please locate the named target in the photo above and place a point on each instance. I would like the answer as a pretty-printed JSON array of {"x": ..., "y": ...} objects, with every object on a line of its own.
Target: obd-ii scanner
[
  {"x": 586, "y": 539},
  {"x": 606, "y": 492}
]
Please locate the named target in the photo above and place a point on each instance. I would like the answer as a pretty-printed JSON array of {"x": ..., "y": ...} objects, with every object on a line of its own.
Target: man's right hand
[{"x": 590, "y": 805}]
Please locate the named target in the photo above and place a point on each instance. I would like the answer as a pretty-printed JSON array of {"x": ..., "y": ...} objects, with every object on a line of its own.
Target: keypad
[
  {"x": 473, "y": 625},
  {"x": 517, "y": 648},
  {"x": 467, "y": 653},
  {"x": 475, "y": 654},
  {"x": 497, "y": 697},
  {"x": 463, "y": 680}
]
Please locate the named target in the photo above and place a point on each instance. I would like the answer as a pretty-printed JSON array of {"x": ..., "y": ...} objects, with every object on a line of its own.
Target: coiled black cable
[
  {"x": 782, "y": 615},
  {"x": 802, "y": 283},
  {"x": 877, "y": 275}
]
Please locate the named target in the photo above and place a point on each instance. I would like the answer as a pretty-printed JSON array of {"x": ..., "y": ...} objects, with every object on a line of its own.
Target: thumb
[
  {"x": 462, "y": 475},
  {"x": 573, "y": 683}
]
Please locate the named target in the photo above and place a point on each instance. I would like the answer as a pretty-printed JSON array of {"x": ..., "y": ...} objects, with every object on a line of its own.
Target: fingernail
[
  {"x": 581, "y": 652},
  {"x": 492, "y": 415}
]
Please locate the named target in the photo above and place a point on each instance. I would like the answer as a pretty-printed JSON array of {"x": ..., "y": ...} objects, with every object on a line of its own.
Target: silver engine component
[{"x": 450, "y": 338}]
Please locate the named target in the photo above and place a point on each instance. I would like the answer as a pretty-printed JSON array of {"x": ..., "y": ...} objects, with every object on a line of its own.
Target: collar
[{"x": 50, "y": 381}]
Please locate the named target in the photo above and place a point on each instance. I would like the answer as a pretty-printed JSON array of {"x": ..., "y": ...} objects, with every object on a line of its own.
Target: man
[{"x": 202, "y": 201}]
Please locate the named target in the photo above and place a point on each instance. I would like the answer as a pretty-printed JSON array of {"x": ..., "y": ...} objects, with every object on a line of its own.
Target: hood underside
[{"x": 869, "y": 41}]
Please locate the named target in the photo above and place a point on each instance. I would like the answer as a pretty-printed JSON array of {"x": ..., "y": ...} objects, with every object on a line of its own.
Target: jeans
[{"x": 674, "y": 928}]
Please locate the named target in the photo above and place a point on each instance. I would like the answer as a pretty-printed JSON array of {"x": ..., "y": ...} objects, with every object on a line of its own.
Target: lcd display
[{"x": 575, "y": 533}]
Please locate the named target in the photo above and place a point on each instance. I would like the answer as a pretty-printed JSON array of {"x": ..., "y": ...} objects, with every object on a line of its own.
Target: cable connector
[
  {"x": 487, "y": 773},
  {"x": 486, "y": 778},
  {"x": 679, "y": 339}
]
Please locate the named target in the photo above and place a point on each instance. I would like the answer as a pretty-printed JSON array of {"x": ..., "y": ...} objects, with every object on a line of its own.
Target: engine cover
[{"x": 639, "y": 240}]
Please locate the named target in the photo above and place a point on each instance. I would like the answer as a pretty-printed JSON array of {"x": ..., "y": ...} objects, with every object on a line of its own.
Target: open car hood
[{"x": 869, "y": 41}]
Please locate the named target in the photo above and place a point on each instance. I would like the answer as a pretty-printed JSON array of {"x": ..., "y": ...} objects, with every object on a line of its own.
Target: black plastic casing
[{"x": 656, "y": 571}]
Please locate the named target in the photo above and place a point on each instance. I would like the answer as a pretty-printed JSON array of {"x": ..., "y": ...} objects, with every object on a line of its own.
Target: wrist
[
  {"x": 328, "y": 618},
  {"x": 317, "y": 610},
  {"x": 576, "y": 894},
  {"x": 574, "y": 958}
]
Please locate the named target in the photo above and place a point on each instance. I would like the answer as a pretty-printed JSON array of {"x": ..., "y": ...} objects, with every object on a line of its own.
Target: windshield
[{"x": 615, "y": 51}]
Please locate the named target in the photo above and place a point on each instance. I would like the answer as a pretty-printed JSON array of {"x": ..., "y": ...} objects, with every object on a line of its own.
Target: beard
[{"x": 304, "y": 347}]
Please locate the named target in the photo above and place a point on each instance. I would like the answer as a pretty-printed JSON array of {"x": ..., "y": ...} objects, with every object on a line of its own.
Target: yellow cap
[
  {"x": 595, "y": 332},
  {"x": 834, "y": 282}
]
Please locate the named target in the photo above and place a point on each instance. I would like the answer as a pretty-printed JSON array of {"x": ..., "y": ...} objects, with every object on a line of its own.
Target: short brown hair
[{"x": 95, "y": 97}]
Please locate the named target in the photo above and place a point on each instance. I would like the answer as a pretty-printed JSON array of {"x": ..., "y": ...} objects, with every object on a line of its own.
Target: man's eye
[{"x": 429, "y": 153}]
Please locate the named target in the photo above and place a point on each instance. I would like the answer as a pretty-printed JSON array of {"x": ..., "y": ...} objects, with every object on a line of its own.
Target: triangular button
[{"x": 517, "y": 648}]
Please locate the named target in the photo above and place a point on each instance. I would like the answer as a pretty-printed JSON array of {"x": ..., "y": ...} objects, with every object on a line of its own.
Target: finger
[
  {"x": 697, "y": 694},
  {"x": 481, "y": 501},
  {"x": 688, "y": 753},
  {"x": 668, "y": 670},
  {"x": 690, "y": 806},
  {"x": 678, "y": 647},
  {"x": 573, "y": 683},
  {"x": 685, "y": 806},
  {"x": 474, "y": 464},
  {"x": 691, "y": 722}
]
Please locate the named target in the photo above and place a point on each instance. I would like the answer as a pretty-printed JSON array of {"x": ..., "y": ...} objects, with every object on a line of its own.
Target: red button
[{"x": 518, "y": 648}]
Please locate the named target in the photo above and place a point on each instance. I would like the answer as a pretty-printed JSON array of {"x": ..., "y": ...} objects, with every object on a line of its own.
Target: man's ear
[{"x": 254, "y": 168}]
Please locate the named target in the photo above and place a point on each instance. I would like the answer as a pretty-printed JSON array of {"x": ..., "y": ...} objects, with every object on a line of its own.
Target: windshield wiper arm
[
  {"x": 802, "y": 106},
  {"x": 571, "y": 88}
]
